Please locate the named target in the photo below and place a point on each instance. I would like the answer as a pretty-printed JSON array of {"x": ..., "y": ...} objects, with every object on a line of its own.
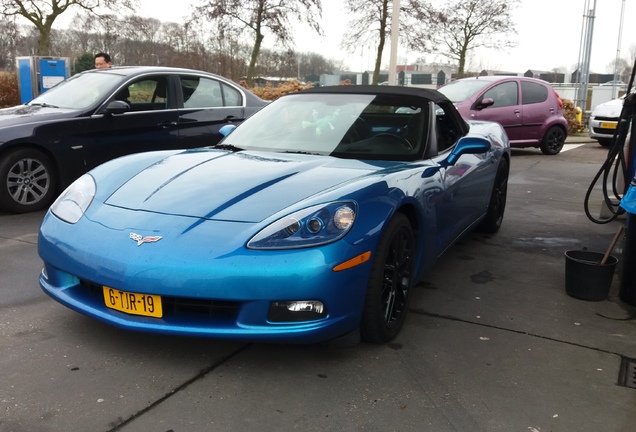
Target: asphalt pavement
[
  {"x": 521, "y": 352},
  {"x": 492, "y": 342}
]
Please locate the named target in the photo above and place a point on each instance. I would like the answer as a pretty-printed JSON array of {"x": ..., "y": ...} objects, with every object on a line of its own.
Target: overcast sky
[{"x": 549, "y": 35}]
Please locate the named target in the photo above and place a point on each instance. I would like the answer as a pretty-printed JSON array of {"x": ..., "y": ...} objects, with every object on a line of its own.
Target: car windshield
[
  {"x": 78, "y": 92},
  {"x": 459, "y": 91},
  {"x": 345, "y": 125}
]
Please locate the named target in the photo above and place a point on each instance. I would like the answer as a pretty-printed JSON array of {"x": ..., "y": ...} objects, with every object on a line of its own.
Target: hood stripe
[{"x": 247, "y": 194}]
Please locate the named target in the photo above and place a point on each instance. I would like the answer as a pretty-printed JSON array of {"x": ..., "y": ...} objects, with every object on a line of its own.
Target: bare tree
[
  {"x": 261, "y": 16},
  {"x": 621, "y": 67},
  {"x": 371, "y": 25},
  {"x": 8, "y": 42},
  {"x": 82, "y": 31},
  {"x": 134, "y": 40},
  {"x": 43, "y": 13},
  {"x": 632, "y": 54},
  {"x": 108, "y": 27},
  {"x": 28, "y": 42},
  {"x": 631, "y": 59},
  {"x": 175, "y": 35},
  {"x": 315, "y": 64},
  {"x": 232, "y": 56},
  {"x": 460, "y": 26}
]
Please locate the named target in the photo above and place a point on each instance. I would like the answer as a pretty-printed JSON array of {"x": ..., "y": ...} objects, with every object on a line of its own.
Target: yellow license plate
[
  {"x": 133, "y": 303},
  {"x": 606, "y": 125}
]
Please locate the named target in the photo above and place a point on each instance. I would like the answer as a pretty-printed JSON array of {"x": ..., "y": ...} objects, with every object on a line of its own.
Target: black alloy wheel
[
  {"x": 390, "y": 283},
  {"x": 28, "y": 181},
  {"x": 553, "y": 140},
  {"x": 497, "y": 205}
]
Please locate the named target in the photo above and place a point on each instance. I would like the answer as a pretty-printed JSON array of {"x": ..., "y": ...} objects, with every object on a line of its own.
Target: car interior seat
[
  {"x": 123, "y": 95},
  {"x": 160, "y": 93},
  {"x": 446, "y": 134},
  {"x": 217, "y": 97},
  {"x": 413, "y": 130}
]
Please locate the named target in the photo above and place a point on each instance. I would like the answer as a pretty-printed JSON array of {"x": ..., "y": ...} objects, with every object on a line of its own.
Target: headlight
[
  {"x": 313, "y": 226},
  {"x": 73, "y": 202}
]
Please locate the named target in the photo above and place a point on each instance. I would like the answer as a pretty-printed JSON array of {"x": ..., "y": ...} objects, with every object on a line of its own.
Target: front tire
[
  {"x": 605, "y": 142},
  {"x": 27, "y": 181},
  {"x": 553, "y": 140},
  {"x": 390, "y": 283}
]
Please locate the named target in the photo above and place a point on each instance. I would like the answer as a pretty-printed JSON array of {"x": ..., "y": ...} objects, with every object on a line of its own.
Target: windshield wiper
[
  {"x": 44, "y": 105},
  {"x": 303, "y": 152},
  {"x": 227, "y": 147}
]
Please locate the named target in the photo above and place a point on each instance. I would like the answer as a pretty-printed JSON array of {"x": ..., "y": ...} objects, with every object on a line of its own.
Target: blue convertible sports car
[{"x": 311, "y": 220}]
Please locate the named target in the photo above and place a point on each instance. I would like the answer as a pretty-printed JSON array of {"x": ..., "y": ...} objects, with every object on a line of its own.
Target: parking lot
[{"x": 492, "y": 343}]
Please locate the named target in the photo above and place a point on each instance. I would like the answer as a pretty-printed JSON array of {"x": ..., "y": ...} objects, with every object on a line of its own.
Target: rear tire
[
  {"x": 389, "y": 288},
  {"x": 497, "y": 205},
  {"x": 553, "y": 140},
  {"x": 27, "y": 181}
]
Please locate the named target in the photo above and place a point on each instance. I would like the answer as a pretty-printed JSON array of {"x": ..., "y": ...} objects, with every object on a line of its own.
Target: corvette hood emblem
[{"x": 148, "y": 239}]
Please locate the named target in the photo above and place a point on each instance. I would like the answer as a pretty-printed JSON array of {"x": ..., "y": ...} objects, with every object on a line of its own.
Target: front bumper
[
  {"x": 602, "y": 127},
  {"x": 207, "y": 290}
]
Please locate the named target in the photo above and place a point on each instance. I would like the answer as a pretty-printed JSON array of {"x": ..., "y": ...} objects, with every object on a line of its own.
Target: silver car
[{"x": 604, "y": 121}]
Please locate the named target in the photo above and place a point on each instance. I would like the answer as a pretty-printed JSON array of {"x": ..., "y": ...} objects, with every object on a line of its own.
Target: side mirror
[
  {"x": 117, "y": 107},
  {"x": 227, "y": 129},
  {"x": 485, "y": 103},
  {"x": 467, "y": 145}
]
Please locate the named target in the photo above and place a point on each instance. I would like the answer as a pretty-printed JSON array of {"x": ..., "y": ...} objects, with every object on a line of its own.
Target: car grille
[
  {"x": 173, "y": 306},
  {"x": 604, "y": 131},
  {"x": 612, "y": 119}
]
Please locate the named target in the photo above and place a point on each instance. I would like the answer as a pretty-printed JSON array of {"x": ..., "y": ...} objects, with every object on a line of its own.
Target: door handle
[{"x": 167, "y": 124}]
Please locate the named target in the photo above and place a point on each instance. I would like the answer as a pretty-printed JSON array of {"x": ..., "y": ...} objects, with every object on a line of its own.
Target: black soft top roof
[{"x": 428, "y": 94}]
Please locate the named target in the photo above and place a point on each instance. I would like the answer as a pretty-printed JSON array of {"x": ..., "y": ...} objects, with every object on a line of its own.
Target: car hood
[
  {"x": 242, "y": 187},
  {"x": 609, "y": 109},
  {"x": 21, "y": 114}
]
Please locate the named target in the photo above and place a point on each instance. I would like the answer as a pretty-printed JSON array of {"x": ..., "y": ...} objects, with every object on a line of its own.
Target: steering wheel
[
  {"x": 401, "y": 140},
  {"x": 359, "y": 130}
]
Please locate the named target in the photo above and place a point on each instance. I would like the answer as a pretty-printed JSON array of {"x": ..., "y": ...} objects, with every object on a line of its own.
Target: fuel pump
[
  {"x": 621, "y": 158},
  {"x": 38, "y": 74},
  {"x": 627, "y": 291}
]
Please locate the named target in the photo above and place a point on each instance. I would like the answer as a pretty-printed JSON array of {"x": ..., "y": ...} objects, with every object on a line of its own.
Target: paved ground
[
  {"x": 492, "y": 343},
  {"x": 524, "y": 354},
  {"x": 582, "y": 137}
]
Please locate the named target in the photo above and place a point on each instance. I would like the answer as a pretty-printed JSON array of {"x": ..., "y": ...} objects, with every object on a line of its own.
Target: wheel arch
[
  {"x": 506, "y": 155},
  {"x": 562, "y": 127},
  {"x": 409, "y": 210},
  {"x": 558, "y": 125}
]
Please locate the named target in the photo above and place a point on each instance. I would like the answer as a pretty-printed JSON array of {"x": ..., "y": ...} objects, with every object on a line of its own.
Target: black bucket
[{"x": 585, "y": 277}]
